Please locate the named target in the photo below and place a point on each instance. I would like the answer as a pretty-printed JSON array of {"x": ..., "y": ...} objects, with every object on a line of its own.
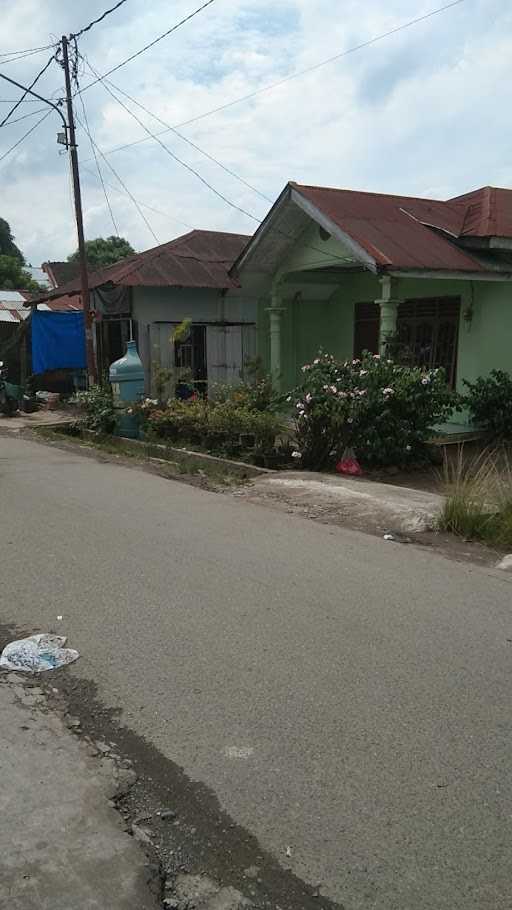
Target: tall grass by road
[{"x": 479, "y": 497}]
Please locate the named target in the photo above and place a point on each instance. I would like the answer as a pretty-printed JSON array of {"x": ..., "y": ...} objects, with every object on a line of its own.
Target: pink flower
[
  {"x": 376, "y": 356},
  {"x": 333, "y": 389},
  {"x": 356, "y": 363}
]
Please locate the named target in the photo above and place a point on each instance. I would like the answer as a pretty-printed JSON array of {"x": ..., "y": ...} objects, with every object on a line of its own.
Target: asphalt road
[{"x": 343, "y": 696}]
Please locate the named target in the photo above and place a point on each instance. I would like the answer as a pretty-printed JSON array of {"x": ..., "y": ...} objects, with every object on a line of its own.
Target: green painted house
[{"x": 344, "y": 271}]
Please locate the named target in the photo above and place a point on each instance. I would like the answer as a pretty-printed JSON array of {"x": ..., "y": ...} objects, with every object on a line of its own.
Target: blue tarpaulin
[{"x": 58, "y": 341}]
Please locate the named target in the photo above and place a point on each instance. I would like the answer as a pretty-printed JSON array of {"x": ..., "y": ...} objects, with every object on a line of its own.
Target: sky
[{"x": 422, "y": 112}]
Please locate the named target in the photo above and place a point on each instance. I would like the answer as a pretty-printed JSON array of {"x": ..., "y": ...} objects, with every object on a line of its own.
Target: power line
[
  {"x": 171, "y": 154},
  {"x": 322, "y": 63},
  {"x": 127, "y": 191},
  {"x": 100, "y": 175},
  {"x": 144, "y": 205},
  {"x": 151, "y": 44},
  {"x": 29, "y": 50},
  {"x": 25, "y": 116},
  {"x": 31, "y": 130},
  {"x": 272, "y": 85},
  {"x": 217, "y": 193},
  {"x": 22, "y": 55},
  {"x": 99, "y": 19},
  {"x": 27, "y": 90},
  {"x": 192, "y": 144}
]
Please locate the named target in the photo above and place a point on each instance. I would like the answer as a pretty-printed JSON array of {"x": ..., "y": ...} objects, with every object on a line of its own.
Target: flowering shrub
[
  {"x": 96, "y": 409},
  {"x": 490, "y": 403},
  {"x": 385, "y": 412}
]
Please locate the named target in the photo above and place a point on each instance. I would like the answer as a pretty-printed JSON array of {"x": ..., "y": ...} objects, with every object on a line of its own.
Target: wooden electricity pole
[{"x": 92, "y": 374}]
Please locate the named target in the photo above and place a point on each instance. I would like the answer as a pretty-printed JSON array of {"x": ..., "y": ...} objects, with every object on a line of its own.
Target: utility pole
[{"x": 84, "y": 278}]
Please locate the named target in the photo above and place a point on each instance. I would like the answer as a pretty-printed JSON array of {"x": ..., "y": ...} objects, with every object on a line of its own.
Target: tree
[
  {"x": 104, "y": 251},
  {"x": 7, "y": 244},
  {"x": 13, "y": 277}
]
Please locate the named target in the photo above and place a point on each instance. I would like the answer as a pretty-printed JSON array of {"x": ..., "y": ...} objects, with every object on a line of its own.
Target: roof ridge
[{"x": 340, "y": 189}]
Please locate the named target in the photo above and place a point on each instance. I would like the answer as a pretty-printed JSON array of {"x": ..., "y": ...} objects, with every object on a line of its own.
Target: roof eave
[
  {"x": 261, "y": 230},
  {"x": 451, "y": 274}
]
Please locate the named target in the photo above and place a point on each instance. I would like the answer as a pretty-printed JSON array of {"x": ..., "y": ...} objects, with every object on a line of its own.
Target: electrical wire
[
  {"x": 22, "y": 55},
  {"x": 100, "y": 175},
  {"x": 94, "y": 22},
  {"x": 217, "y": 193},
  {"x": 171, "y": 154},
  {"x": 151, "y": 44},
  {"x": 192, "y": 144},
  {"x": 26, "y": 92},
  {"x": 127, "y": 191},
  {"x": 25, "y": 116},
  {"x": 144, "y": 205},
  {"x": 29, "y": 50},
  {"x": 31, "y": 130},
  {"x": 272, "y": 85}
]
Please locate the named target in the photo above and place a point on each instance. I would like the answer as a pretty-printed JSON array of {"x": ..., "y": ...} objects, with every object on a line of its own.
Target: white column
[
  {"x": 275, "y": 313},
  {"x": 388, "y": 305}
]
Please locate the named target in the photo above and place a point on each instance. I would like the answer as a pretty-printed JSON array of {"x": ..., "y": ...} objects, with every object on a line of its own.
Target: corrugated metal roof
[
  {"x": 199, "y": 259},
  {"x": 61, "y": 272},
  {"x": 393, "y": 229},
  {"x": 13, "y": 314},
  {"x": 487, "y": 212},
  {"x": 13, "y": 298},
  {"x": 65, "y": 304}
]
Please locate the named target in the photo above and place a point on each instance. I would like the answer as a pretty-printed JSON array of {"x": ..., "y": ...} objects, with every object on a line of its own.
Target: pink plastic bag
[{"x": 349, "y": 464}]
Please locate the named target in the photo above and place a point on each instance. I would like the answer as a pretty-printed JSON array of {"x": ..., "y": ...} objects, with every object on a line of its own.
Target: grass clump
[{"x": 478, "y": 502}]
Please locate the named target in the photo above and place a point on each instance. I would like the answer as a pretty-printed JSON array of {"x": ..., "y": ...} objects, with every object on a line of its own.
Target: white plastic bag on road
[{"x": 37, "y": 653}]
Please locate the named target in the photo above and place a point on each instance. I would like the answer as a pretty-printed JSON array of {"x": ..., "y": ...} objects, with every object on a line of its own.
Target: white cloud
[{"x": 419, "y": 112}]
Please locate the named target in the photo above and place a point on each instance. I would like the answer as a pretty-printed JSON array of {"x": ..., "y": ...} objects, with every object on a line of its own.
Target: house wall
[
  {"x": 230, "y": 319},
  {"x": 310, "y": 324}
]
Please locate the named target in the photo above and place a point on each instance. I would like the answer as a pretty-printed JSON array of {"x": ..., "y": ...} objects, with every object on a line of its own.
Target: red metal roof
[
  {"x": 396, "y": 231},
  {"x": 199, "y": 259},
  {"x": 61, "y": 272},
  {"x": 487, "y": 212},
  {"x": 65, "y": 304}
]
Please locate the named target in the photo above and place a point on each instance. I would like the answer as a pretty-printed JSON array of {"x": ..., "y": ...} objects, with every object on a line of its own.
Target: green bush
[
  {"x": 97, "y": 409},
  {"x": 222, "y": 427},
  {"x": 185, "y": 420},
  {"x": 490, "y": 404},
  {"x": 382, "y": 410}
]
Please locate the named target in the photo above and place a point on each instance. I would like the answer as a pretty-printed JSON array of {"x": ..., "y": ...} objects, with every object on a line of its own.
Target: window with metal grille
[{"x": 427, "y": 332}]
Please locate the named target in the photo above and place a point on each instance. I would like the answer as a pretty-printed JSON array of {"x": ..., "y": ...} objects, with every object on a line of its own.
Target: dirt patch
[
  {"x": 193, "y": 847},
  {"x": 335, "y": 513}
]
